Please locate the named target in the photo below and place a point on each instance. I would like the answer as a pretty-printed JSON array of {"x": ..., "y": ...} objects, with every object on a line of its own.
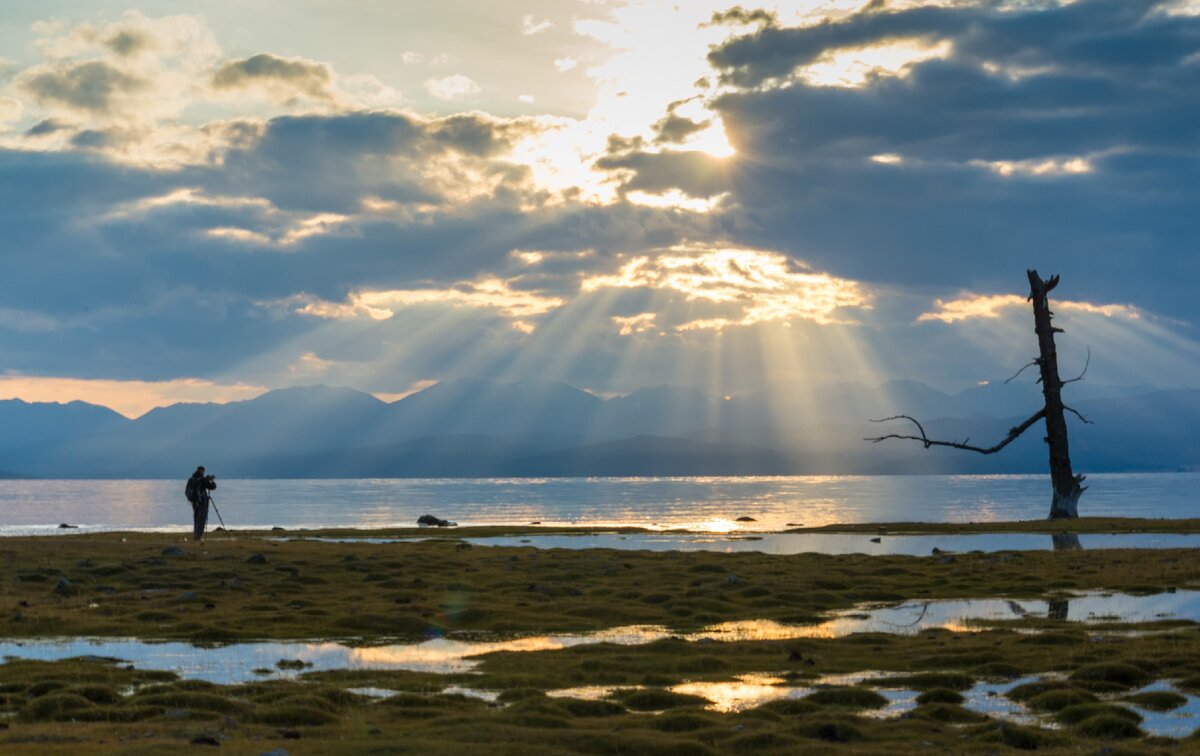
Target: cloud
[
  {"x": 562, "y": 65},
  {"x": 94, "y": 87},
  {"x": 531, "y": 25},
  {"x": 487, "y": 293},
  {"x": 451, "y": 88},
  {"x": 760, "y": 286},
  {"x": 282, "y": 78},
  {"x": 992, "y": 306}
]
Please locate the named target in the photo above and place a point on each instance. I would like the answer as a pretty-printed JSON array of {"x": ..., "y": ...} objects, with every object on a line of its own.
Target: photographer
[{"x": 197, "y": 490}]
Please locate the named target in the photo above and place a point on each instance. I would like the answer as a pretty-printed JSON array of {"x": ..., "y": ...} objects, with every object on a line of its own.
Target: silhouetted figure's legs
[{"x": 199, "y": 519}]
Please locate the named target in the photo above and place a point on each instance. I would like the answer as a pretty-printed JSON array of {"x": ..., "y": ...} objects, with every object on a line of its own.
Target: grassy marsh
[{"x": 139, "y": 585}]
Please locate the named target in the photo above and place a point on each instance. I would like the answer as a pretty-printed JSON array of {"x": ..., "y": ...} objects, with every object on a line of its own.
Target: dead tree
[{"x": 1067, "y": 485}]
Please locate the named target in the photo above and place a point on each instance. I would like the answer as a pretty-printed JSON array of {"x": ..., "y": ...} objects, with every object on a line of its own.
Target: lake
[{"x": 38, "y": 506}]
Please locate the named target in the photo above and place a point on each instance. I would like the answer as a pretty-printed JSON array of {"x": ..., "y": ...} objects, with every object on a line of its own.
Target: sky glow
[{"x": 206, "y": 200}]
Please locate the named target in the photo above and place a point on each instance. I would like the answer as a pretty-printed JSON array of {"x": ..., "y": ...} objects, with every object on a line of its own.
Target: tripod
[{"x": 214, "y": 506}]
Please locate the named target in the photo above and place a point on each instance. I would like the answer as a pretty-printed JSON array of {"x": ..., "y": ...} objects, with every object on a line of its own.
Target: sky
[{"x": 202, "y": 201}]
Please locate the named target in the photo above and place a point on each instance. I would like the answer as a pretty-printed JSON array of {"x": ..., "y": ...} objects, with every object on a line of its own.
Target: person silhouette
[{"x": 197, "y": 490}]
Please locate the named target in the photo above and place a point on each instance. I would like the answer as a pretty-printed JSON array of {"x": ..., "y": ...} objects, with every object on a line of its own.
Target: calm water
[
  {"x": 698, "y": 503},
  {"x": 243, "y": 662}
]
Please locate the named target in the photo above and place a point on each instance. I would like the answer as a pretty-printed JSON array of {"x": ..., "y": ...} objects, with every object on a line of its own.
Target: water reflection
[
  {"x": 827, "y": 543},
  {"x": 38, "y": 506},
  {"x": 238, "y": 662},
  {"x": 1066, "y": 542}
]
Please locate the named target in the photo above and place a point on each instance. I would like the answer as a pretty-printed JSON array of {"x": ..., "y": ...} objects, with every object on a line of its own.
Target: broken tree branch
[
  {"x": 1077, "y": 414},
  {"x": 1086, "y": 363},
  {"x": 1026, "y": 366},
  {"x": 1013, "y": 433}
]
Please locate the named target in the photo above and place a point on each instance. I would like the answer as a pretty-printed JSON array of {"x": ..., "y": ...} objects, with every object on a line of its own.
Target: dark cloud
[
  {"x": 300, "y": 77},
  {"x": 695, "y": 173},
  {"x": 92, "y": 86},
  {"x": 128, "y": 42},
  {"x": 674, "y": 129},
  {"x": 46, "y": 126},
  {"x": 738, "y": 15}
]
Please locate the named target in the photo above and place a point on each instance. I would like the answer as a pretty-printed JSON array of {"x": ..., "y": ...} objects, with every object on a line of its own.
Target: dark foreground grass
[
  {"x": 90, "y": 706},
  {"x": 244, "y": 587},
  {"x": 126, "y": 586}
]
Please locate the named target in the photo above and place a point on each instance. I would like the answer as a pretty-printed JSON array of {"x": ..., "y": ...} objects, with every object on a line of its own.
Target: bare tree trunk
[{"x": 1066, "y": 484}]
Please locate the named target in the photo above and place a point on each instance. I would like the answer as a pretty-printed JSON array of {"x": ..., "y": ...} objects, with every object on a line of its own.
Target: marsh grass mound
[
  {"x": 657, "y": 700},
  {"x": 1108, "y": 677},
  {"x": 940, "y": 696},
  {"x": 1156, "y": 700},
  {"x": 847, "y": 697}
]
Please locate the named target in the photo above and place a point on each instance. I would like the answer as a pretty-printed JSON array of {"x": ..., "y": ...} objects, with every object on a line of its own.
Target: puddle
[
  {"x": 591, "y": 692},
  {"x": 988, "y": 698},
  {"x": 1177, "y": 723},
  {"x": 243, "y": 662},
  {"x": 373, "y": 692},
  {"x": 844, "y": 543},
  {"x": 746, "y": 692}
]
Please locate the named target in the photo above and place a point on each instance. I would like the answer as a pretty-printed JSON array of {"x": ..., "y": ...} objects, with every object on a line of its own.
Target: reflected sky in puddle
[
  {"x": 238, "y": 662},
  {"x": 1176, "y": 723}
]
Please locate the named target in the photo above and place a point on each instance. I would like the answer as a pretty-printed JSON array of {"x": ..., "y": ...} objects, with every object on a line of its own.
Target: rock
[
  {"x": 275, "y": 752},
  {"x": 174, "y": 551},
  {"x": 745, "y": 518},
  {"x": 795, "y": 656},
  {"x": 731, "y": 579},
  {"x": 536, "y": 522},
  {"x": 205, "y": 739},
  {"x": 278, "y": 529},
  {"x": 876, "y": 540},
  {"x": 65, "y": 588},
  {"x": 936, "y": 551},
  {"x": 256, "y": 559},
  {"x": 428, "y": 520},
  {"x": 65, "y": 526},
  {"x": 83, "y": 564},
  {"x": 795, "y": 524},
  {"x": 218, "y": 529}
]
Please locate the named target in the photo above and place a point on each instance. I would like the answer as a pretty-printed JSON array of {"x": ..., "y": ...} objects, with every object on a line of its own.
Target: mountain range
[{"x": 475, "y": 428}]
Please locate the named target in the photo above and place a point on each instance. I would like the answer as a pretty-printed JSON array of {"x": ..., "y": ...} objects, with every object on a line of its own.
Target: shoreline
[{"x": 1079, "y": 526}]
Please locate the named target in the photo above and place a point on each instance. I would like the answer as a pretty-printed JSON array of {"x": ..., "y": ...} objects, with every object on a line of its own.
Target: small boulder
[
  {"x": 429, "y": 521},
  {"x": 174, "y": 551},
  {"x": 876, "y": 540},
  {"x": 746, "y": 518},
  {"x": 275, "y": 752},
  {"x": 65, "y": 526},
  {"x": 64, "y": 587},
  {"x": 278, "y": 529},
  {"x": 256, "y": 559}
]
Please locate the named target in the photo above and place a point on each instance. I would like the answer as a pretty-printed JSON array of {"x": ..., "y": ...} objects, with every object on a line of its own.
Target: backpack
[{"x": 191, "y": 492}]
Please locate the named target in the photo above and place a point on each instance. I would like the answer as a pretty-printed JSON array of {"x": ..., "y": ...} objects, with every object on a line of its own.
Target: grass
[
  {"x": 306, "y": 589},
  {"x": 127, "y": 587}
]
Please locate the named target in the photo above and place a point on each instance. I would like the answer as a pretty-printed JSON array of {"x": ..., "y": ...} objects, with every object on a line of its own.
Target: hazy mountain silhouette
[
  {"x": 481, "y": 428},
  {"x": 24, "y": 422}
]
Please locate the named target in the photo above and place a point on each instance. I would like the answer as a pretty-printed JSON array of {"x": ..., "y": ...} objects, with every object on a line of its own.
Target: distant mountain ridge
[{"x": 476, "y": 428}]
